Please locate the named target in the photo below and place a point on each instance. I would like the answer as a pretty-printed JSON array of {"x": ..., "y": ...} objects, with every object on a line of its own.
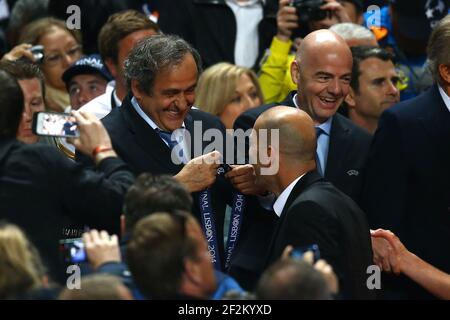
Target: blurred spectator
[
  {"x": 373, "y": 88},
  {"x": 404, "y": 30},
  {"x": 227, "y": 90},
  {"x": 407, "y": 186},
  {"x": 62, "y": 47},
  {"x": 98, "y": 287},
  {"x": 85, "y": 80},
  {"x": 94, "y": 14},
  {"x": 53, "y": 185},
  {"x": 234, "y": 31},
  {"x": 22, "y": 13},
  {"x": 31, "y": 81},
  {"x": 117, "y": 38},
  {"x": 21, "y": 268},
  {"x": 169, "y": 258},
  {"x": 292, "y": 279}
]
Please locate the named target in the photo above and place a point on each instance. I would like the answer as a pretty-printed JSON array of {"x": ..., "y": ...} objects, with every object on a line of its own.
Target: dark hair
[
  {"x": 22, "y": 70},
  {"x": 11, "y": 105},
  {"x": 118, "y": 26},
  {"x": 361, "y": 53},
  {"x": 439, "y": 48},
  {"x": 157, "y": 251},
  {"x": 152, "y": 193},
  {"x": 154, "y": 55},
  {"x": 292, "y": 279}
]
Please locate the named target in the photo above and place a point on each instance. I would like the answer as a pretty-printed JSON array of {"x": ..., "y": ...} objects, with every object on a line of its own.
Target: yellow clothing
[{"x": 275, "y": 74}]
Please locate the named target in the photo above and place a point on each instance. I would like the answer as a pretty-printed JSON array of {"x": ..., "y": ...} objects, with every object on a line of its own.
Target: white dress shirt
[
  {"x": 248, "y": 14},
  {"x": 279, "y": 204},
  {"x": 445, "y": 97}
]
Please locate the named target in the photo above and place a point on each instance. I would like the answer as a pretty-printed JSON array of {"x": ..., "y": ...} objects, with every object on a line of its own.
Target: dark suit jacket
[
  {"x": 210, "y": 26},
  {"x": 408, "y": 179},
  {"x": 144, "y": 151},
  {"x": 317, "y": 213},
  {"x": 40, "y": 188},
  {"x": 347, "y": 152}
]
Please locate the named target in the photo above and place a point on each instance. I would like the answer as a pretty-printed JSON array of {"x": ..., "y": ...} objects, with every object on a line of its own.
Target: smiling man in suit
[
  {"x": 310, "y": 209},
  {"x": 322, "y": 71}
]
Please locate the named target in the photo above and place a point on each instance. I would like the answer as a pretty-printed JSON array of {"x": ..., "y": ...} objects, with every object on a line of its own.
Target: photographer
[
  {"x": 55, "y": 188},
  {"x": 292, "y": 25}
]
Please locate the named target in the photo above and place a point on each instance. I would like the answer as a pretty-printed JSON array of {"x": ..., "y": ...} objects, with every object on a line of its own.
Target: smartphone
[
  {"x": 73, "y": 250},
  {"x": 38, "y": 53},
  {"x": 298, "y": 253},
  {"x": 55, "y": 124}
]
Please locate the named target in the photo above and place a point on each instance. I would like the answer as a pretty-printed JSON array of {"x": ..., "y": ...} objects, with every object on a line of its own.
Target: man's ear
[
  {"x": 350, "y": 99},
  {"x": 295, "y": 72},
  {"x": 136, "y": 90},
  {"x": 444, "y": 71},
  {"x": 192, "y": 271},
  {"x": 112, "y": 67}
]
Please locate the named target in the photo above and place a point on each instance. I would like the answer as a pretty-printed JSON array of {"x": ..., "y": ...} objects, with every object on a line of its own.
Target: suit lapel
[
  {"x": 338, "y": 148},
  {"x": 147, "y": 138}
]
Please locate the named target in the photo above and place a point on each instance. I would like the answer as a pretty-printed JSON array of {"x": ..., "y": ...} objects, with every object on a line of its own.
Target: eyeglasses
[{"x": 54, "y": 59}]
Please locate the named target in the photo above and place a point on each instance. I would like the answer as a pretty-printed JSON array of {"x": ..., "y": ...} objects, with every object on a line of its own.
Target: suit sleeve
[
  {"x": 88, "y": 197},
  {"x": 386, "y": 181}
]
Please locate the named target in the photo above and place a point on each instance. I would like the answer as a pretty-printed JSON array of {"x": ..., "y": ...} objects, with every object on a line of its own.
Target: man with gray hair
[
  {"x": 155, "y": 130},
  {"x": 407, "y": 187}
]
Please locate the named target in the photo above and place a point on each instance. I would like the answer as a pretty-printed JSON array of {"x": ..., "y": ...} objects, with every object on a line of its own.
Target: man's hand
[
  {"x": 287, "y": 20},
  {"x": 397, "y": 252},
  {"x": 337, "y": 11},
  {"x": 92, "y": 135},
  {"x": 381, "y": 251},
  {"x": 19, "y": 51},
  {"x": 200, "y": 173},
  {"x": 243, "y": 178},
  {"x": 101, "y": 248}
]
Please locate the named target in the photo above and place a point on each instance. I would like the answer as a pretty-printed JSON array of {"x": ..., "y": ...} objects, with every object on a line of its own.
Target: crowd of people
[{"x": 345, "y": 161}]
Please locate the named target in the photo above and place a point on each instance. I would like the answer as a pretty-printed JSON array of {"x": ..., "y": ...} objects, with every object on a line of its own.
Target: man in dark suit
[
  {"x": 40, "y": 187},
  {"x": 322, "y": 71},
  {"x": 155, "y": 130},
  {"x": 310, "y": 209},
  {"x": 323, "y": 78},
  {"x": 408, "y": 174}
]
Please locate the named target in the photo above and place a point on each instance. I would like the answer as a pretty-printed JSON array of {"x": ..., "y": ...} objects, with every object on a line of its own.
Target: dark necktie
[
  {"x": 319, "y": 131},
  {"x": 167, "y": 137}
]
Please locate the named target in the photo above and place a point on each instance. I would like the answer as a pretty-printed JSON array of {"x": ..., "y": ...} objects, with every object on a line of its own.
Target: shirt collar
[
  {"x": 326, "y": 126},
  {"x": 144, "y": 116},
  {"x": 279, "y": 204},
  {"x": 248, "y": 3},
  {"x": 445, "y": 97}
]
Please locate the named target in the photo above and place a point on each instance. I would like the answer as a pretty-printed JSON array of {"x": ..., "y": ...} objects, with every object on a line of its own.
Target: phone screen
[
  {"x": 73, "y": 250},
  {"x": 55, "y": 124}
]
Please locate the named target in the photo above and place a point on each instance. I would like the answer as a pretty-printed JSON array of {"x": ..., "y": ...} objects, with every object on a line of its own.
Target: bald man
[
  {"x": 310, "y": 209},
  {"x": 322, "y": 71}
]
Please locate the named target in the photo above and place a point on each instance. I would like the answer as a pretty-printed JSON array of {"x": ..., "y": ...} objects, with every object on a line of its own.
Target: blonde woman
[
  {"x": 227, "y": 90},
  {"x": 62, "y": 47},
  {"x": 21, "y": 268}
]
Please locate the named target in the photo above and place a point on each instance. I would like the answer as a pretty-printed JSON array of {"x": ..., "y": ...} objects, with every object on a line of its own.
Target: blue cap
[{"x": 87, "y": 65}]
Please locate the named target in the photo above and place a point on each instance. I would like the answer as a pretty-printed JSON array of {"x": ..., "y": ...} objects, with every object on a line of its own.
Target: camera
[
  {"x": 298, "y": 253},
  {"x": 38, "y": 53},
  {"x": 309, "y": 10},
  {"x": 73, "y": 250},
  {"x": 54, "y": 124}
]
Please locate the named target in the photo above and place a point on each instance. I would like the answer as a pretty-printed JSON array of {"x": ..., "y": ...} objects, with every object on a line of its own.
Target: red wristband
[{"x": 100, "y": 149}]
